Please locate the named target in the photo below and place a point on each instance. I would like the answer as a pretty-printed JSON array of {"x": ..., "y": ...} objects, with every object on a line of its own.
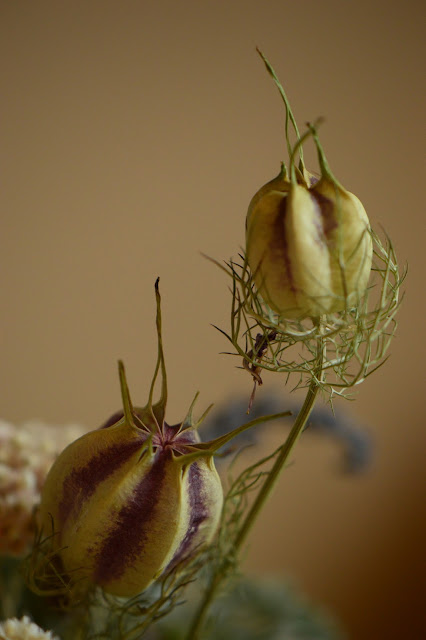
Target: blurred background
[{"x": 133, "y": 136}]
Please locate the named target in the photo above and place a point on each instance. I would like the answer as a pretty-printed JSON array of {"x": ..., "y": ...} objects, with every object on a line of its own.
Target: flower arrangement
[{"x": 132, "y": 519}]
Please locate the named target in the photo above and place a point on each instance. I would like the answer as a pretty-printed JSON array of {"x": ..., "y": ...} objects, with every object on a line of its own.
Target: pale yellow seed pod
[
  {"x": 123, "y": 511},
  {"x": 309, "y": 249},
  {"x": 129, "y": 502}
]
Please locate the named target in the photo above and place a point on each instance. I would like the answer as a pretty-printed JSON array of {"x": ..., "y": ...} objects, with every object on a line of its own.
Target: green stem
[
  {"x": 288, "y": 112},
  {"x": 279, "y": 464},
  {"x": 262, "y": 496}
]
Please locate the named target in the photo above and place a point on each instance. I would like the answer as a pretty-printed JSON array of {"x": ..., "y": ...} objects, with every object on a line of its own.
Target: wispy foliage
[{"x": 356, "y": 340}]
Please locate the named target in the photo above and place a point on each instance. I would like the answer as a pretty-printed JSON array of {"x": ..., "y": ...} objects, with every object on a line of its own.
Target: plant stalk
[{"x": 262, "y": 496}]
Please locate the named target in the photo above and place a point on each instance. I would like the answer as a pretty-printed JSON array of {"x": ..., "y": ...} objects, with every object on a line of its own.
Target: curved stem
[
  {"x": 288, "y": 112},
  {"x": 262, "y": 496}
]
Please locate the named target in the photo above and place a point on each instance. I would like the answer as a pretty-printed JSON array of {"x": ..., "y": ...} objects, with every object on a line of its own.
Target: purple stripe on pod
[
  {"x": 124, "y": 543},
  {"x": 199, "y": 512},
  {"x": 82, "y": 482},
  {"x": 281, "y": 242},
  {"x": 327, "y": 212}
]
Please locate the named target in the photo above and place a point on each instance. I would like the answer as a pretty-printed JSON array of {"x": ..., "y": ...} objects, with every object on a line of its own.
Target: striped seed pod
[
  {"x": 128, "y": 504},
  {"x": 130, "y": 501},
  {"x": 308, "y": 246}
]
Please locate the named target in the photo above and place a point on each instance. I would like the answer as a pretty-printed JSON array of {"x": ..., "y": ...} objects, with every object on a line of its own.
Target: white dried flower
[
  {"x": 26, "y": 454},
  {"x": 24, "y": 629}
]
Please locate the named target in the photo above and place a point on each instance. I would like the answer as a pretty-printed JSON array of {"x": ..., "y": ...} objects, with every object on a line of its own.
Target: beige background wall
[{"x": 133, "y": 136}]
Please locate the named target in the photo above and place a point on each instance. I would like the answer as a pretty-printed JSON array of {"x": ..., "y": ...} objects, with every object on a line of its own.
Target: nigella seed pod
[
  {"x": 308, "y": 245},
  {"x": 127, "y": 502},
  {"x": 126, "y": 506}
]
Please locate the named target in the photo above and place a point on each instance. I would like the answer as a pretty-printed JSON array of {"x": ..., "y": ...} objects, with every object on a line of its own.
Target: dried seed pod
[
  {"x": 132, "y": 499},
  {"x": 309, "y": 249},
  {"x": 126, "y": 504}
]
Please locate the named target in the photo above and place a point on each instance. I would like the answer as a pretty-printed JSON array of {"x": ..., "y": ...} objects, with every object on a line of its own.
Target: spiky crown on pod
[{"x": 181, "y": 438}]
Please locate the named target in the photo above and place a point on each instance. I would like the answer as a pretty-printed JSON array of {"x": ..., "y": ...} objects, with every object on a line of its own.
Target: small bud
[{"x": 309, "y": 249}]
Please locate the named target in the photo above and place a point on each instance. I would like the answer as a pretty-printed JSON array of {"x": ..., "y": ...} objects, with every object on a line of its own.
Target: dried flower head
[
  {"x": 23, "y": 629},
  {"x": 26, "y": 455}
]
